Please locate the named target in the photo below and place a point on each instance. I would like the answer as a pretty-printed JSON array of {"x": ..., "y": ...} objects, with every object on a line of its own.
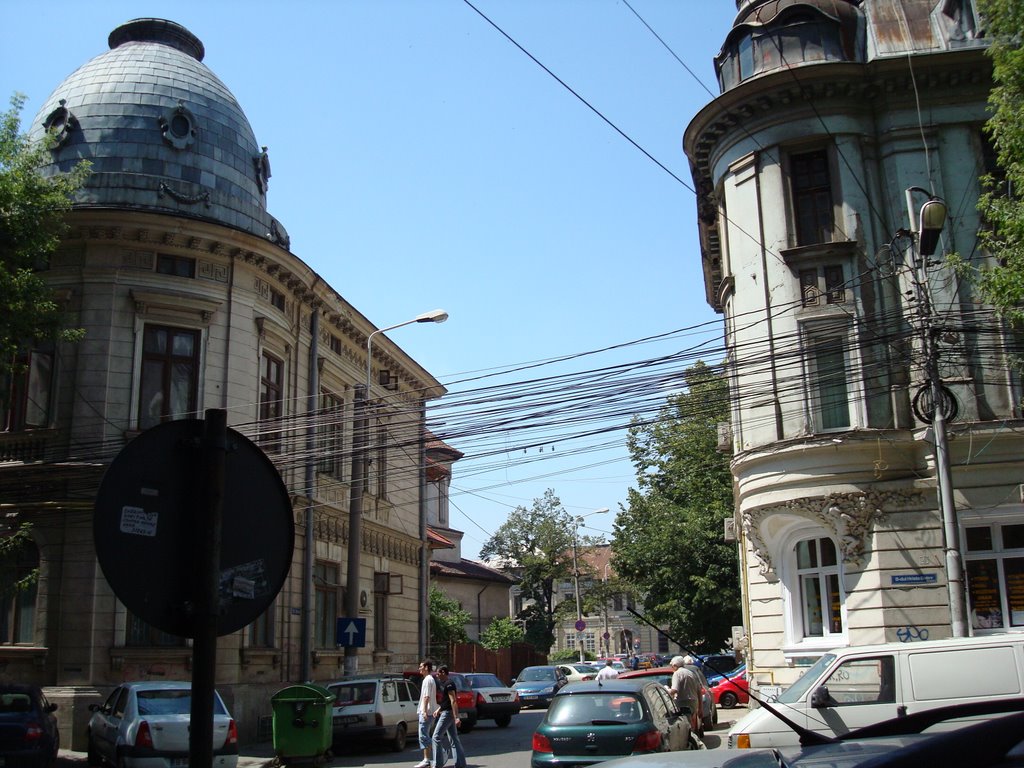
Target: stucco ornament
[{"x": 848, "y": 517}]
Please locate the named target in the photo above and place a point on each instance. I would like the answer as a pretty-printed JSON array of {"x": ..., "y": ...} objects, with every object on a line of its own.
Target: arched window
[
  {"x": 821, "y": 598},
  {"x": 19, "y": 571}
]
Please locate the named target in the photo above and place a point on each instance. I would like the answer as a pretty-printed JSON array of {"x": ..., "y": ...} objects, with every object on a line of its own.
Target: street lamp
[
  {"x": 360, "y": 450},
  {"x": 930, "y": 220},
  {"x": 580, "y": 625}
]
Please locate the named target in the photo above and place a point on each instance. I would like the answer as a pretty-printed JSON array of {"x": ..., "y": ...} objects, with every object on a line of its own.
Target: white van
[{"x": 849, "y": 688}]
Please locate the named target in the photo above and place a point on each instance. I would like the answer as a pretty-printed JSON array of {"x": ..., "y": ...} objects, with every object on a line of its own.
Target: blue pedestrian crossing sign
[{"x": 351, "y": 633}]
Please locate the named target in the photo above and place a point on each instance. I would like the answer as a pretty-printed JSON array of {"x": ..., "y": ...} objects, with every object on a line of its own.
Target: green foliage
[
  {"x": 668, "y": 541},
  {"x": 567, "y": 655},
  {"x": 1000, "y": 204},
  {"x": 535, "y": 545},
  {"x": 447, "y": 620},
  {"x": 32, "y": 209},
  {"x": 13, "y": 577},
  {"x": 501, "y": 633}
]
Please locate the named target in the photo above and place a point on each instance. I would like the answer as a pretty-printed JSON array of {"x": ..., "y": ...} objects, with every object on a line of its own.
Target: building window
[
  {"x": 335, "y": 344},
  {"x": 821, "y": 599},
  {"x": 277, "y": 299},
  {"x": 19, "y": 574},
  {"x": 829, "y": 381},
  {"x": 271, "y": 401},
  {"x": 380, "y": 611},
  {"x": 28, "y": 395},
  {"x": 826, "y": 282},
  {"x": 590, "y": 642},
  {"x": 325, "y": 578},
  {"x": 380, "y": 462},
  {"x": 169, "y": 384},
  {"x": 811, "y": 190},
  {"x": 142, "y": 635},
  {"x": 179, "y": 266},
  {"x": 261, "y": 631},
  {"x": 995, "y": 575},
  {"x": 330, "y": 434}
]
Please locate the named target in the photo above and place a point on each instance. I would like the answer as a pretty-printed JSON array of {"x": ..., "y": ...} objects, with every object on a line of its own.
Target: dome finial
[{"x": 158, "y": 31}]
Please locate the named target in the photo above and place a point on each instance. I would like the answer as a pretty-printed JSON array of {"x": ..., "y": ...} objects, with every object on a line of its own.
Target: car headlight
[{"x": 549, "y": 689}]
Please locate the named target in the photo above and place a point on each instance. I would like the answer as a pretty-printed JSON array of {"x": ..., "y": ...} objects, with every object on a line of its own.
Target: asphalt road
[{"x": 487, "y": 746}]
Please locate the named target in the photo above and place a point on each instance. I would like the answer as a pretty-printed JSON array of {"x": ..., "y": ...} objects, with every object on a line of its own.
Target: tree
[
  {"x": 535, "y": 545},
  {"x": 32, "y": 209},
  {"x": 447, "y": 620},
  {"x": 501, "y": 633},
  {"x": 668, "y": 541},
  {"x": 1001, "y": 205}
]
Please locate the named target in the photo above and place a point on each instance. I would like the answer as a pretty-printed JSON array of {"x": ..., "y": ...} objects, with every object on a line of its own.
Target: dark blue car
[
  {"x": 538, "y": 685},
  {"x": 28, "y": 728}
]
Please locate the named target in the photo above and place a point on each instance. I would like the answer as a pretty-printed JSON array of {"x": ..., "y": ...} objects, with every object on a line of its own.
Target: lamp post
[
  {"x": 360, "y": 449},
  {"x": 580, "y": 626},
  {"x": 928, "y": 226}
]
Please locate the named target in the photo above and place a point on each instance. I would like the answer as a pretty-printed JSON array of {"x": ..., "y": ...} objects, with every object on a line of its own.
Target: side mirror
[
  {"x": 51, "y": 707},
  {"x": 821, "y": 698}
]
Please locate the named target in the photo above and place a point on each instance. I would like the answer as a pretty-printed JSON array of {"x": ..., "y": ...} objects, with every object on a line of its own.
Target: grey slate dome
[{"x": 162, "y": 132}]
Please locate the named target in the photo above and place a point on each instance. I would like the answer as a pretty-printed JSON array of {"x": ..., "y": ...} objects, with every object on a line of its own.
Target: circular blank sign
[{"x": 148, "y": 516}]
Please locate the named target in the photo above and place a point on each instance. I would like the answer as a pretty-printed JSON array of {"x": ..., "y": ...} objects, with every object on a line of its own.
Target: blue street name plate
[{"x": 909, "y": 579}]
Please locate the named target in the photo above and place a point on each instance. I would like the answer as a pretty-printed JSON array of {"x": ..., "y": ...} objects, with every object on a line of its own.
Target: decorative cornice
[{"x": 847, "y": 516}]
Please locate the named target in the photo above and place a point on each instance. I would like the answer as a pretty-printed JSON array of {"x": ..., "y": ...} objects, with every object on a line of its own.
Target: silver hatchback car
[{"x": 146, "y": 725}]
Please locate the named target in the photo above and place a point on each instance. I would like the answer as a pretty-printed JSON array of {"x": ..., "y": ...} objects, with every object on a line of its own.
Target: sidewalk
[{"x": 250, "y": 756}]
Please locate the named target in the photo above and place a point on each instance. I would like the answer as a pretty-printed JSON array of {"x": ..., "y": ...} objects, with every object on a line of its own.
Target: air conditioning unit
[{"x": 724, "y": 436}]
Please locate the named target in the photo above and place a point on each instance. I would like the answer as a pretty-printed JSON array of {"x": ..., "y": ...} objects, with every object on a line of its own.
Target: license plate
[
  {"x": 346, "y": 719},
  {"x": 500, "y": 697},
  {"x": 179, "y": 762}
]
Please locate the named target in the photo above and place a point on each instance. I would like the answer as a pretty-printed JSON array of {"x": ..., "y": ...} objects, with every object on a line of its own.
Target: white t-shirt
[
  {"x": 428, "y": 697},
  {"x": 607, "y": 673}
]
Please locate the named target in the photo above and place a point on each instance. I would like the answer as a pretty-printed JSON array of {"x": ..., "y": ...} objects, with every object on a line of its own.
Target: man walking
[
  {"x": 425, "y": 709},
  {"x": 447, "y": 714},
  {"x": 608, "y": 672}
]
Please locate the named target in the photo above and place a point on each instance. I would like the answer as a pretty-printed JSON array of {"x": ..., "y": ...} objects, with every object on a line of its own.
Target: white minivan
[{"x": 849, "y": 688}]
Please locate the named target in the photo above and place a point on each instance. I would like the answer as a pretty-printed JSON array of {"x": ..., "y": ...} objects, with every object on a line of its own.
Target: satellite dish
[{"x": 146, "y": 519}]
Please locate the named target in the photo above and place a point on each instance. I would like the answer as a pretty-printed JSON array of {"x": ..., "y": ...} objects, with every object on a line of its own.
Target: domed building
[
  {"x": 864, "y": 513},
  {"x": 192, "y": 303}
]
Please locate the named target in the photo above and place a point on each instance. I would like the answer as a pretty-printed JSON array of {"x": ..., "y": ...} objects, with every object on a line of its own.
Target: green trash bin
[{"x": 303, "y": 724}]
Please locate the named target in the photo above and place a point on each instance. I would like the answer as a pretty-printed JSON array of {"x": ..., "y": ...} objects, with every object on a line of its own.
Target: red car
[{"x": 732, "y": 690}]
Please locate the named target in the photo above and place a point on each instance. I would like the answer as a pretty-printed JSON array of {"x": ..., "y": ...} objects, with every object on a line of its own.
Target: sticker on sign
[{"x": 138, "y": 522}]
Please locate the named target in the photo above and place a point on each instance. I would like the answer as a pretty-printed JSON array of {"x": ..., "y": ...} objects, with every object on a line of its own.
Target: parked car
[
  {"x": 146, "y": 725},
  {"x": 713, "y": 678},
  {"x": 716, "y": 663},
  {"x": 466, "y": 698},
  {"x": 374, "y": 708},
  {"x": 992, "y": 738},
  {"x": 575, "y": 673},
  {"x": 731, "y": 690},
  {"x": 29, "y": 736},
  {"x": 708, "y": 711},
  {"x": 593, "y": 721},
  {"x": 536, "y": 686},
  {"x": 494, "y": 701}
]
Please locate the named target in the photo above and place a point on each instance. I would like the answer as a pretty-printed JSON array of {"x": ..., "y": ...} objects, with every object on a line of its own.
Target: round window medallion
[{"x": 178, "y": 127}]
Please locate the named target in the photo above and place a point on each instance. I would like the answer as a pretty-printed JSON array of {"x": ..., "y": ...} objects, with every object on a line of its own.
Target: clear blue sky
[{"x": 420, "y": 160}]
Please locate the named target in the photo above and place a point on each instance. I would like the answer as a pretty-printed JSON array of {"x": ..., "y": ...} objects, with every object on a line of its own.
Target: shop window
[
  {"x": 169, "y": 381},
  {"x": 994, "y": 563}
]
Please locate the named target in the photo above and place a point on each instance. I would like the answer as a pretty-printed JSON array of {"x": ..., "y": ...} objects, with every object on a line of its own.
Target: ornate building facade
[
  {"x": 191, "y": 300},
  {"x": 837, "y": 120}
]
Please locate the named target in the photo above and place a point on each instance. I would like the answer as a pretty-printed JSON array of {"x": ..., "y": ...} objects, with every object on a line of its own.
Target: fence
[{"x": 506, "y": 663}]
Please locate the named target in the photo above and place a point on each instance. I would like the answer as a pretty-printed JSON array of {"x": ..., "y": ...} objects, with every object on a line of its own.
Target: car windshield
[
  {"x": 796, "y": 691},
  {"x": 536, "y": 674},
  {"x": 171, "y": 702},
  {"x": 594, "y": 709},
  {"x": 484, "y": 681},
  {"x": 353, "y": 693}
]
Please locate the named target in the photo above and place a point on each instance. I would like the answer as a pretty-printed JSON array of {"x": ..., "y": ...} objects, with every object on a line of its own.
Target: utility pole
[{"x": 928, "y": 227}]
